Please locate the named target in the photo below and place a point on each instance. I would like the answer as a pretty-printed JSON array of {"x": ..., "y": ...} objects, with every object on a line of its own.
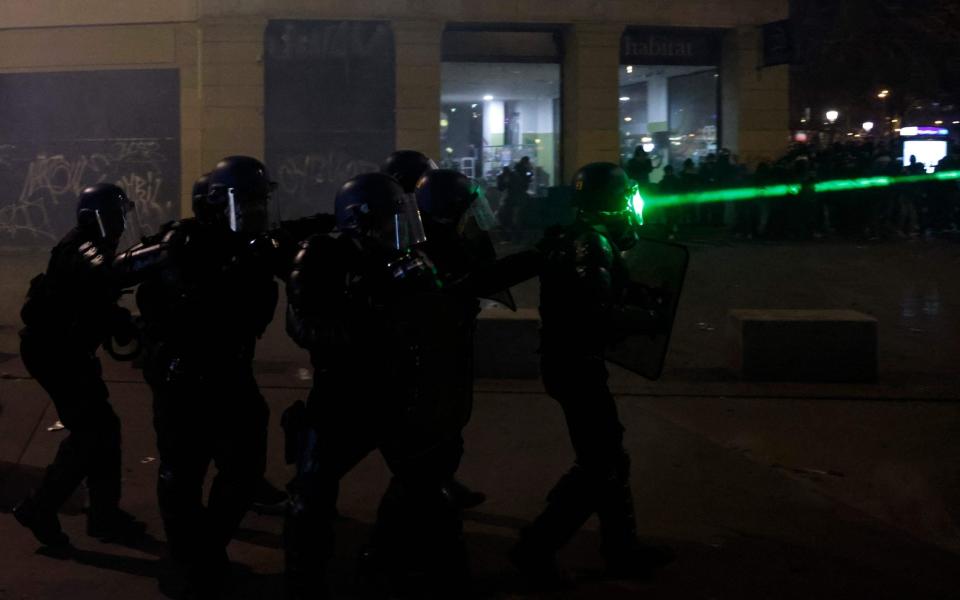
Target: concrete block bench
[
  {"x": 803, "y": 345},
  {"x": 506, "y": 344}
]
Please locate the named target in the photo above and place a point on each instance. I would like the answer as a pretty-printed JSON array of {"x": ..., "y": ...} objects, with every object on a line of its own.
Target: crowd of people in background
[{"x": 899, "y": 210}]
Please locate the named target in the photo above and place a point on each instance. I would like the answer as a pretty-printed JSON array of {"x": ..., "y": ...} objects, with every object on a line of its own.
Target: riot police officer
[
  {"x": 364, "y": 305},
  {"x": 70, "y": 311},
  {"x": 581, "y": 290},
  {"x": 437, "y": 206},
  {"x": 207, "y": 294}
]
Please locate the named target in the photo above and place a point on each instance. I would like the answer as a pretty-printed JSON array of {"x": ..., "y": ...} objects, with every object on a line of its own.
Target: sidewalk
[
  {"x": 764, "y": 490},
  {"x": 760, "y": 497}
]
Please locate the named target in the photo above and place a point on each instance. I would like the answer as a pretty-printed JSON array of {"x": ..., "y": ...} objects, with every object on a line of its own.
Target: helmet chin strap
[{"x": 232, "y": 204}]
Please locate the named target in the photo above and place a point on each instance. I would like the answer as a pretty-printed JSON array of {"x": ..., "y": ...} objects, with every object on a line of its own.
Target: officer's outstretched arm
[
  {"x": 290, "y": 234},
  {"x": 500, "y": 275},
  {"x": 138, "y": 262}
]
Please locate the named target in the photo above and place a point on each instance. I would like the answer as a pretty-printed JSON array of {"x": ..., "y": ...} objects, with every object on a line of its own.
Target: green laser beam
[{"x": 791, "y": 189}]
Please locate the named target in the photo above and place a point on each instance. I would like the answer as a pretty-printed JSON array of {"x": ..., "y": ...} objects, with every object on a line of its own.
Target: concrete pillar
[
  {"x": 231, "y": 90},
  {"x": 418, "y": 45},
  {"x": 590, "y": 130},
  {"x": 191, "y": 112},
  {"x": 755, "y": 122}
]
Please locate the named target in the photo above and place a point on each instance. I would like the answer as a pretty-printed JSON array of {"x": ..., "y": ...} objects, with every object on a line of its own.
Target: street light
[
  {"x": 832, "y": 116},
  {"x": 883, "y": 94},
  {"x": 868, "y": 126}
]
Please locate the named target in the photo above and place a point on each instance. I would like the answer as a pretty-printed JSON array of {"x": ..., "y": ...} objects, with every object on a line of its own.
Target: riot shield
[{"x": 656, "y": 271}]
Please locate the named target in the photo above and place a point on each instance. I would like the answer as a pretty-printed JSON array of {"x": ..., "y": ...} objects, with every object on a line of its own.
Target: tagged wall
[
  {"x": 329, "y": 107},
  {"x": 63, "y": 131}
]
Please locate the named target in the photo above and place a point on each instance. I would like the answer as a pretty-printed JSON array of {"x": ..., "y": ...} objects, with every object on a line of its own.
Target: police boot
[
  {"x": 114, "y": 525},
  {"x": 44, "y": 524},
  {"x": 625, "y": 555},
  {"x": 569, "y": 504},
  {"x": 462, "y": 496}
]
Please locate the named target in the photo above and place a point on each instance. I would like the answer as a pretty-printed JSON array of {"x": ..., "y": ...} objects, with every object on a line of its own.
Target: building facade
[{"x": 152, "y": 94}]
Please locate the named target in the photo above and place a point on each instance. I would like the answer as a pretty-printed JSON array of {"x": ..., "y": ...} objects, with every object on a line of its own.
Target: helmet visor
[
  {"x": 247, "y": 213},
  {"x": 408, "y": 228},
  {"x": 480, "y": 210}
]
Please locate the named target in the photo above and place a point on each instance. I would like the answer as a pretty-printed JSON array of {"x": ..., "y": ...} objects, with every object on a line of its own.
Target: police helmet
[
  {"x": 445, "y": 195},
  {"x": 407, "y": 166},
  {"x": 102, "y": 207},
  {"x": 366, "y": 200},
  {"x": 602, "y": 187},
  {"x": 239, "y": 187},
  {"x": 201, "y": 188}
]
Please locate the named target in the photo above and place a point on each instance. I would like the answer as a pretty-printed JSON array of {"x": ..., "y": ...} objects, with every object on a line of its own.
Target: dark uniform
[
  {"x": 70, "y": 311},
  {"x": 365, "y": 311},
  {"x": 466, "y": 263},
  {"x": 207, "y": 294},
  {"x": 581, "y": 287},
  {"x": 453, "y": 260}
]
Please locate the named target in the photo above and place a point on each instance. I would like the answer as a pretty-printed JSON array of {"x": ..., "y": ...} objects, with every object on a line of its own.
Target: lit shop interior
[
  {"x": 669, "y": 111},
  {"x": 493, "y": 114}
]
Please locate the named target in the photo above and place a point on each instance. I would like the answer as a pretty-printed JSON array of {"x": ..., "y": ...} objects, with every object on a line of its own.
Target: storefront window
[
  {"x": 670, "y": 111},
  {"x": 495, "y": 114}
]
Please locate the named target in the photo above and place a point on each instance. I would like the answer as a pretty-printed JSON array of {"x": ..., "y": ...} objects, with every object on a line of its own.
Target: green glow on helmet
[
  {"x": 792, "y": 189},
  {"x": 635, "y": 202}
]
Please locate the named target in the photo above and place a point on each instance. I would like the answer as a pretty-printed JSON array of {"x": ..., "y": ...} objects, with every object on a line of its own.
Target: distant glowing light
[
  {"x": 449, "y": 150},
  {"x": 537, "y": 140},
  {"x": 453, "y": 109},
  {"x": 956, "y": 122},
  {"x": 938, "y": 122},
  {"x": 883, "y": 94},
  {"x": 624, "y": 98},
  {"x": 914, "y": 130},
  {"x": 832, "y": 116},
  {"x": 474, "y": 105},
  {"x": 646, "y": 139},
  {"x": 648, "y": 147},
  {"x": 487, "y": 98},
  {"x": 628, "y": 119},
  {"x": 629, "y": 69},
  {"x": 444, "y": 122},
  {"x": 868, "y": 126}
]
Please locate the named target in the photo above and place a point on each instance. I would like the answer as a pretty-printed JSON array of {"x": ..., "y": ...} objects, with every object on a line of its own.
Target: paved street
[{"x": 764, "y": 491}]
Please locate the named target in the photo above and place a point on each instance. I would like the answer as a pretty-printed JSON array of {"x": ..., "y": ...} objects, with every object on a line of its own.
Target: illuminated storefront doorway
[{"x": 669, "y": 96}]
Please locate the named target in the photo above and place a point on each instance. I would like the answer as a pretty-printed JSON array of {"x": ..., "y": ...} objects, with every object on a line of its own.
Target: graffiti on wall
[
  {"x": 39, "y": 186},
  {"x": 309, "y": 182}
]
